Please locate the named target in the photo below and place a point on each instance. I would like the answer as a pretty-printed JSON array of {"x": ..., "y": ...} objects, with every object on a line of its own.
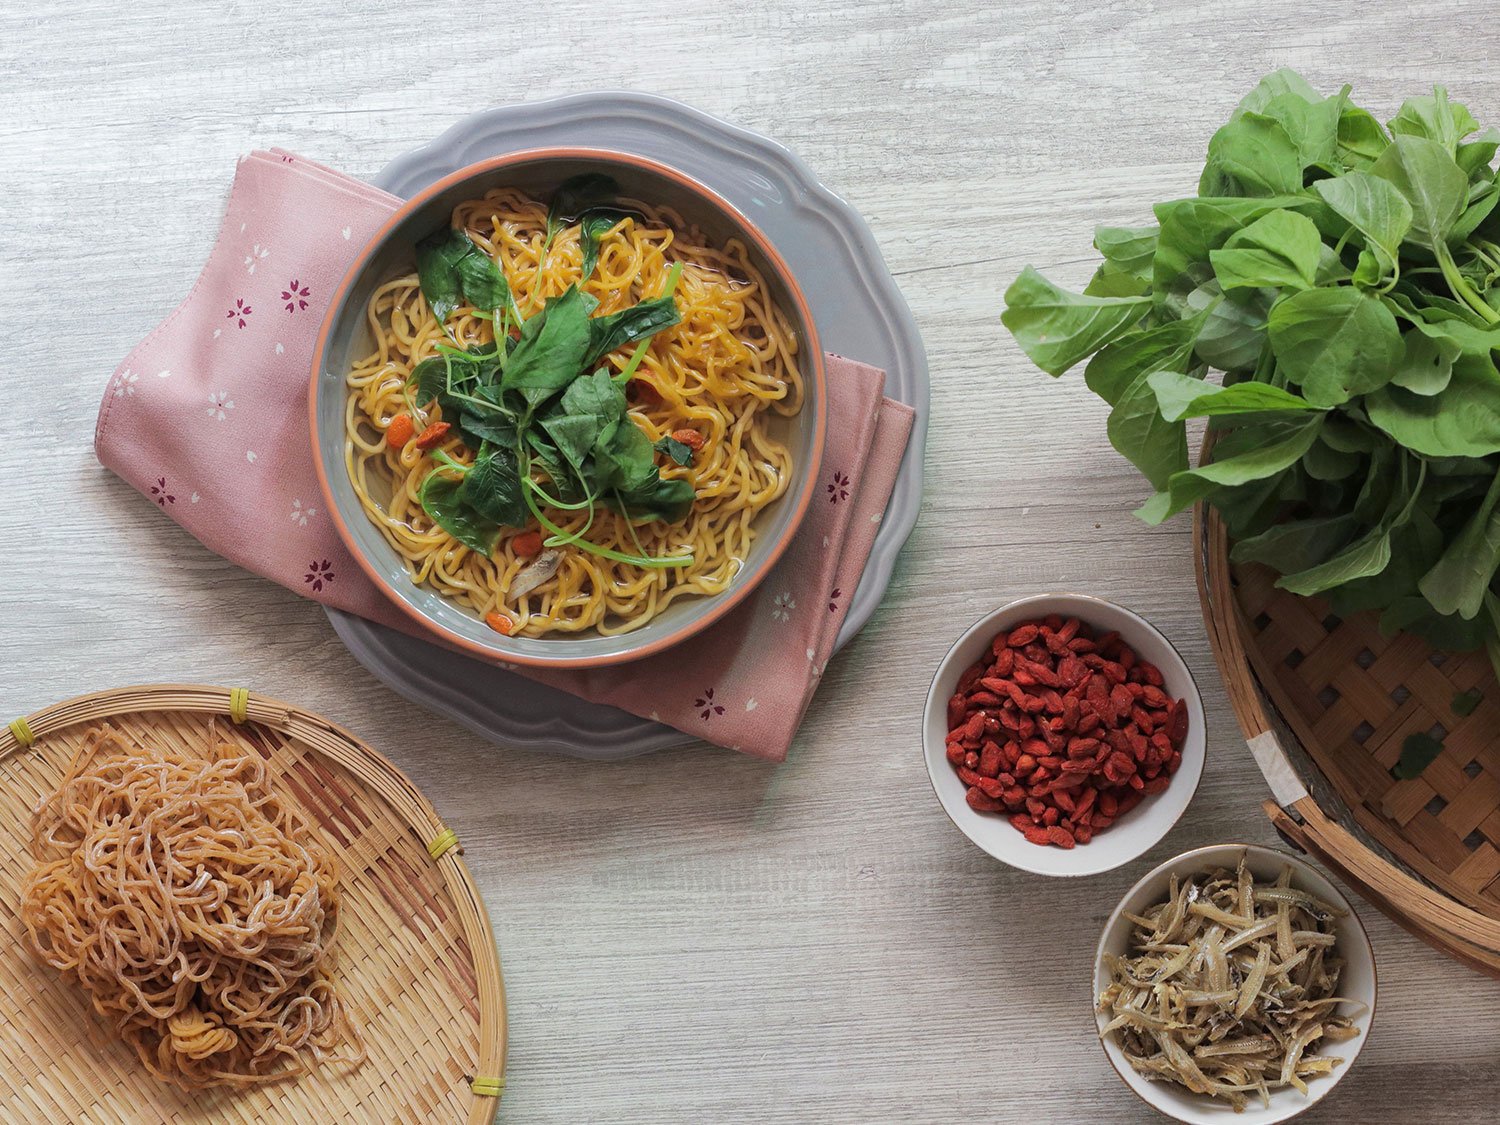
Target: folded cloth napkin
[{"x": 207, "y": 417}]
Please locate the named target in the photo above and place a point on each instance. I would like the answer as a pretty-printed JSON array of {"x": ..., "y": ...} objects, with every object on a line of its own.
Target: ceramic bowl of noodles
[{"x": 567, "y": 408}]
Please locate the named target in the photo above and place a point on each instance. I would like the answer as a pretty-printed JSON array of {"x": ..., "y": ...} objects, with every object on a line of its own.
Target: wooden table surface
[{"x": 694, "y": 936}]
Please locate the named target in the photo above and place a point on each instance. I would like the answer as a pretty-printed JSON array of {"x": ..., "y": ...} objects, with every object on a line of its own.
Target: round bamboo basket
[
  {"x": 417, "y": 960},
  {"x": 1325, "y": 705}
]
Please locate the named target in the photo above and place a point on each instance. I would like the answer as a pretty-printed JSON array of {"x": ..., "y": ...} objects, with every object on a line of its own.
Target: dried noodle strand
[{"x": 196, "y": 908}]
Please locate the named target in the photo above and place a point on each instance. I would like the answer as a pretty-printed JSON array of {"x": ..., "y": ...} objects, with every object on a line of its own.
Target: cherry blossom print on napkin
[{"x": 207, "y": 418}]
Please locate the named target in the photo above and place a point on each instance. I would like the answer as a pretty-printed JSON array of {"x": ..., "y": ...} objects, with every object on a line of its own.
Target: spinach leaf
[
  {"x": 573, "y": 435},
  {"x": 438, "y": 256},
  {"x": 1361, "y": 138},
  {"x": 1335, "y": 343},
  {"x": 1263, "y": 451},
  {"x": 1475, "y": 156},
  {"x": 1165, "y": 347},
  {"x": 1126, "y": 269},
  {"x": 1136, "y": 428},
  {"x": 1368, "y": 555},
  {"x": 440, "y": 499},
  {"x": 577, "y": 195},
  {"x": 679, "y": 453},
  {"x": 1190, "y": 230},
  {"x": 452, "y": 269},
  {"x": 1434, "y": 117},
  {"x": 1418, "y": 752},
  {"x": 1233, "y": 336},
  {"x": 1435, "y": 187},
  {"x": 1181, "y": 396},
  {"x": 1373, "y": 207},
  {"x": 1278, "y": 84},
  {"x": 1465, "y": 703},
  {"x": 1279, "y": 249},
  {"x": 646, "y": 318},
  {"x": 655, "y": 498},
  {"x": 1426, "y": 368},
  {"x": 1462, "y": 576},
  {"x": 1462, "y": 420},
  {"x": 624, "y": 460},
  {"x": 592, "y": 227},
  {"x": 492, "y": 488},
  {"x": 552, "y": 347},
  {"x": 430, "y": 378},
  {"x": 1311, "y": 123},
  {"x": 484, "y": 286},
  {"x": 1251, "y": 155},
  {"x": 1057, "y": 328},
  {"x": 1297, "y": 544}
]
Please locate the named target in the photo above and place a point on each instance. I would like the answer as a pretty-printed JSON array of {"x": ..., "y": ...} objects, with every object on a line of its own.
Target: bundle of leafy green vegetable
[
  {"x": 544, "y": 414},
  {"x": 1345, "y": 279}
]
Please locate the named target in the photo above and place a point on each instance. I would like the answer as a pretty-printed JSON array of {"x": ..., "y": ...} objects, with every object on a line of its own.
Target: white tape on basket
[{"x": 1285, "y": 785}]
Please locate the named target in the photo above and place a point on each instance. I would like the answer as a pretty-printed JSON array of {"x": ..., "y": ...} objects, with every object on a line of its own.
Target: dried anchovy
[{"x": 1230, "y": 984}]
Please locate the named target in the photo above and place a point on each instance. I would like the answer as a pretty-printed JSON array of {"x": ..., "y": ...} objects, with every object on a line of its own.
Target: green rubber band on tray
[
  {"x": 239, "y": 700},
  {"x": 488, "y": 1087},
  {"x": 22, "y": 731},
  {"x": 443, "y": 843}
]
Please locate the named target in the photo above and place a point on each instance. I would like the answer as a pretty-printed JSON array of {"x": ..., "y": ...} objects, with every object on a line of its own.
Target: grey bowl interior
[{"x": 349, "y": 339}]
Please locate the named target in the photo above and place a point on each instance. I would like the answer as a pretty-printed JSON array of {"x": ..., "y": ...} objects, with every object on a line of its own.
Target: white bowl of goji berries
[{"x": 1064, "y": 734}]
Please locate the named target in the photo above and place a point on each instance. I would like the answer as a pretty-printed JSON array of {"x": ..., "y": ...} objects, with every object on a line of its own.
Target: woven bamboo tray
[
  {"x": 1326, "y": 705},
  {"x": 416, "y": 957}
]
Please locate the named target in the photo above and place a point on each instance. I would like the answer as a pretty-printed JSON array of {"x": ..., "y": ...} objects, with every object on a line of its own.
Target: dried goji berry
[
  {"x": 1086, "y": 728},
  {"x": 1021, "y": 636},
  {"x": 989, "y": 759},
  {"x": 981, "y": 803},
  {"x": 1061, "y": 837},
  {"x": 433, "y": 435},
  {"x": 957, "y": 709},
  {"x": 1037, "y": 835},
  {"x": 1177, "y": 722},
  {"x": 399, "y": 431}
]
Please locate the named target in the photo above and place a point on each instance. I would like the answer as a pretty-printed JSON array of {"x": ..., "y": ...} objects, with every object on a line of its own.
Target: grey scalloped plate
[{"x": 859, "y": 312}]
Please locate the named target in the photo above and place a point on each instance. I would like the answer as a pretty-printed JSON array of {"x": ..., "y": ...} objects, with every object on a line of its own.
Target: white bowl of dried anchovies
[{"x": 1234, "y": 983}]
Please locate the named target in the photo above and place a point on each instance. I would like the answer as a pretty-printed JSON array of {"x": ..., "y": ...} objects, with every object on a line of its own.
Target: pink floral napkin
[{"x": 207, "y": 417}]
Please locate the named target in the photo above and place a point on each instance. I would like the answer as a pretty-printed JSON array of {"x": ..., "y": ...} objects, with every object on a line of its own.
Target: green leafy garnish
[
  {"x": 453, "y": 270},
  {"x": 1465, "y": 703},
  {"x": 680, "y": 453},
  {"x": 441, "y": 499},
  {"x": 1329, "y": 303},
  {"x": 545, "y": 413},
  {"x": 1417, "y": 753}
]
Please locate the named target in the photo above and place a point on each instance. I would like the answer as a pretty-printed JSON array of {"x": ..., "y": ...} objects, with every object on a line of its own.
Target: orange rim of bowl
[{"x": 721, "y": 603}]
